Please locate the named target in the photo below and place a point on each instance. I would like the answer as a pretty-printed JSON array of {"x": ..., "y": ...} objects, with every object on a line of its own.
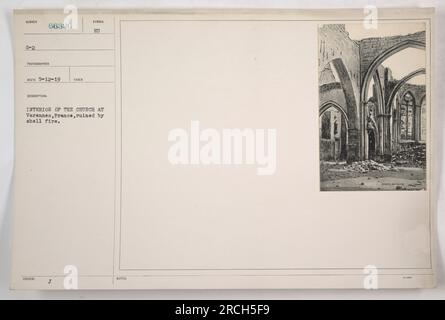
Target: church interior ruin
[{"x": 373, "y": 113}]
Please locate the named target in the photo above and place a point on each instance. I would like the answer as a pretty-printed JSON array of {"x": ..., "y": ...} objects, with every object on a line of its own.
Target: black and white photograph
[{"x": 373, "y": 106}]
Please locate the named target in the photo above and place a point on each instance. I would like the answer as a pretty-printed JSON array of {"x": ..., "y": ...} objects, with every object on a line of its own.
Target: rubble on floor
[
  {"x": 414, "y": 156},
  {"x": 369, "y": 165}
]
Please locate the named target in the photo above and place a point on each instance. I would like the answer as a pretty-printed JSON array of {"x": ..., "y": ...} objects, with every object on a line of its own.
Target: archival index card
[{"x": 223, "y": 149}]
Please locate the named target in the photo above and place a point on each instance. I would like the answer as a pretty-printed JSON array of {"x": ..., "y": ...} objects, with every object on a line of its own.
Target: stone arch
[
  {"x": 348, "y": 90},
  {"x": 376, "y": 51},
  {"x": 329, "y": 104},
  {"x": 408, "y": 91},
  {"x": 336, "y": 147},
  {"x": 344, "y": 91},
  {"x": 409, "y": 43},
  {"x": 400, "y": 84},
  {"x": 351, "y": 109}
]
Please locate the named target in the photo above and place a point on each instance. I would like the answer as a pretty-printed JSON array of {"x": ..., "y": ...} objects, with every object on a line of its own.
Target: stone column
[
  {"x": 417, "y": 123},
  {"x": 353, "y": 145},
  {"x": 387, "y": 152},
  {"x": 381, "y": 127},
  {"x": 396, "y": 130}
]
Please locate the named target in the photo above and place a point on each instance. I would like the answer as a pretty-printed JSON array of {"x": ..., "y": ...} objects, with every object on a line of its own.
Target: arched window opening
[
  {"x": 407, "y": 117},
  {"x": 333, "y": 139}
]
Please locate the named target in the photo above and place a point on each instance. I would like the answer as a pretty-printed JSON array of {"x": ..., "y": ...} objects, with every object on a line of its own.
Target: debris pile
[
  {"x": 369, "y": 165},
  {"x": 414, "y": 156}
]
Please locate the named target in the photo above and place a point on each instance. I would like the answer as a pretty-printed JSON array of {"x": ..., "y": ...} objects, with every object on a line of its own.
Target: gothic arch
[
  {"x": 382, "y": 57},
  {"x": 348, "y": 90},
  {"x": 408, "y": 91},
  {"x": 336, "y": 149},
  {"x": 400, "y": 84},
  {"x": 332, "y": 104}
]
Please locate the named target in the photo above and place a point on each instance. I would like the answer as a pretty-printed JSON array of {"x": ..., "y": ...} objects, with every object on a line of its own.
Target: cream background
[
  {"x": 243, "y": 75},
  {"x": 5, "y": 169}
]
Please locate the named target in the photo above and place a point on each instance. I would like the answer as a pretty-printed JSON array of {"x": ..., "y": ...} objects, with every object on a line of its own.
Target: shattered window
[
  {"x": 403, "y": 122},
  {"x": 407, "y": 117}
]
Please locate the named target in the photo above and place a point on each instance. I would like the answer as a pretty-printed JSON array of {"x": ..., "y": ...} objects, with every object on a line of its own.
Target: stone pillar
[
  {"x": 361, "y": 133},
  {"x": 381, "y": 127},
  {"x": 353, "y": 145},
  {"x": 387, "y": 152},
  {"x": 417, "y": 123},
  {"x": 396, "y": 130}
]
